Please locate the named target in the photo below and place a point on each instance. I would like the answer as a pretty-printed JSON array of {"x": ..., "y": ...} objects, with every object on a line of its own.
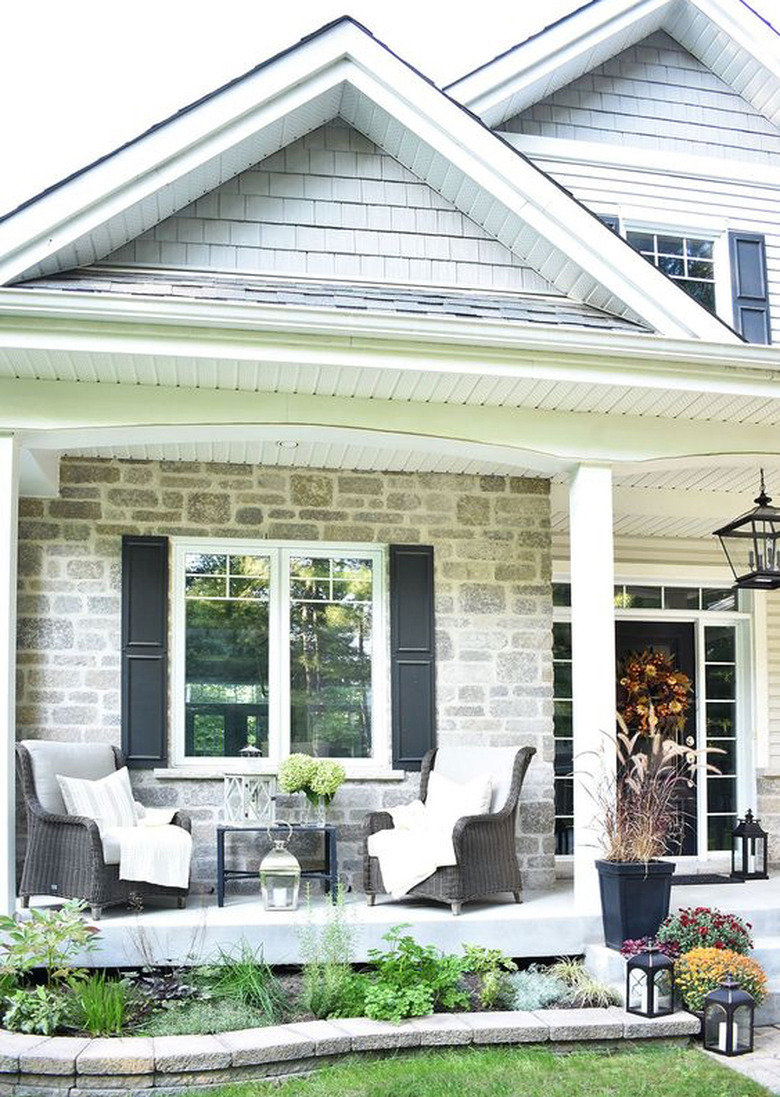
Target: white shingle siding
[
  {"x": 332, "y": 204},
  {"x": 658, "y": 96},
  {"x": 686, "y": 202}
]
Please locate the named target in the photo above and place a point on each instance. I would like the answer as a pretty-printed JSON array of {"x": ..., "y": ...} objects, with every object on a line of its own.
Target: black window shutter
[
  {"x": 747, "y": 251},
  {"x": 412, "y": 654},
  {"x": 611, "y": 220},
  {"x": 145, "y": 651}
]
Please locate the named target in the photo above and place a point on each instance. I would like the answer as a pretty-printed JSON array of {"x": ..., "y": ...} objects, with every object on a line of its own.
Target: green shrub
[
  {"x": 535, "y": 988},
  {"x": 583, "y": 991},
  {"x": 201, "y": 1017},
  {"x": 492, "y": 967},
  {"x": 38, "y": 1010},
  {"x": 244, "y": 976},
  {"x": 50, "y": 939},
  {"x": 411, "y": 980},
  {"x": 101, "y": 1006},
  {"x": 330, "y": 987}
]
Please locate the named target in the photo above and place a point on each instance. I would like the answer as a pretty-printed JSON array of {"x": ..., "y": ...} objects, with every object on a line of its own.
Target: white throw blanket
[{"x": 154, "y": 851}]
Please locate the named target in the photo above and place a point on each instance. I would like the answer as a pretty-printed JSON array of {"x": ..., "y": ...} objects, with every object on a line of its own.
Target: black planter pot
[{"x": 634, "y": 898}]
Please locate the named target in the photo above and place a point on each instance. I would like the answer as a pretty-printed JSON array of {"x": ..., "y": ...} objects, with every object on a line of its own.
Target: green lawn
[{"x": 506, "y": 1072}]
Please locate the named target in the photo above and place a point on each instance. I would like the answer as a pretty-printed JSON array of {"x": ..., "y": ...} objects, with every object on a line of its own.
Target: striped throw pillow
[{"x": 109, "y": 800}]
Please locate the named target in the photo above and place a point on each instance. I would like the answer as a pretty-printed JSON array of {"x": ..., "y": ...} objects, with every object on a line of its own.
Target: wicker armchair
[
  {"x": 484, "y": 844},
  {"x": 64, "y": 854}
]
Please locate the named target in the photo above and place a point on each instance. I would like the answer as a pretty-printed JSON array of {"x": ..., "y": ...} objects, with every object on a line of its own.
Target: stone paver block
[
  {"x": 328, "y": 1039},
  {"x": 583, "y": 1024},
  {"x": 12, "y": 1045},
  {"x": 53, "y": 1055},
  {"x": 117, "y": 1083},
  {"x": 117, "y": 1055},
  {"x": 182, "y": 1054},
  {"x": 441, "y": 1029},
  {"x": 368, "y": 1035},
  {"x": 507, "y": 1027},
  {"x": 642, "y": 1028},
  {"x": 266, "y": 1045}
]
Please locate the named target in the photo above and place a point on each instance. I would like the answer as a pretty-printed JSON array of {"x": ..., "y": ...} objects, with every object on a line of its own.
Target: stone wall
[{"x": 493, "y": 609}]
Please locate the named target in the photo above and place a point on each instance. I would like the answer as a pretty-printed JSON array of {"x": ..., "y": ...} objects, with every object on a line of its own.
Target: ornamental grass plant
[{"x": 701, "y": 970}]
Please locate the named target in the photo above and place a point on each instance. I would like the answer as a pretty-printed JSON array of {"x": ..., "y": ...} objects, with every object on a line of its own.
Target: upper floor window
[
  {"x": 688, "y": 260},
  {"x": 280, "y": 647}
]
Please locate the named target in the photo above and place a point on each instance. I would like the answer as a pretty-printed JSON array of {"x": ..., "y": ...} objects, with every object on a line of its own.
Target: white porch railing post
[
  {"x": 9, "y": 509},
  {"x": 593, "y": 660}
]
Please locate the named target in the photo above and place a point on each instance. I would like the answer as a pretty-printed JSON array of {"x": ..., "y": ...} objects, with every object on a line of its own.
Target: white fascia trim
[
  {"x": 487, "y": 90},
  {"x": 604, "y": 155},
  {"x": 120, "y": 324},
  {"x": 507, "y": 178}
]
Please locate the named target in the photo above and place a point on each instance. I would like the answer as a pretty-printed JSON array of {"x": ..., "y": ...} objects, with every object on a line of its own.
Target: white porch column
[
  {"x": 9, "y": 509},
  {"x": 593, "y": 660}
]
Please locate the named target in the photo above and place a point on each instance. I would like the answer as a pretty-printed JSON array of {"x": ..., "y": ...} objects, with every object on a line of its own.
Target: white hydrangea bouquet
[{"x": 319, "y": 779}]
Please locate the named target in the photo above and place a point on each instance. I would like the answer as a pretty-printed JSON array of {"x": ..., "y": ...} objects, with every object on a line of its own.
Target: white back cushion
[
  {"x": 50, "y": 759},
  {"x": 109, "y": 800},
  {"x": 450, "y": 800},
  {"x": 465, "y": 763}
]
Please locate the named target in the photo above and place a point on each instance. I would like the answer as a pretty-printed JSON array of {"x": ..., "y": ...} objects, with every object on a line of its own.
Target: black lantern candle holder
[
  {"x": 728, "y": 1020},
  {"x": 650, "y": 983},
  {"x": 749, "y": 850},
  {"x": 752, "y": 545}
]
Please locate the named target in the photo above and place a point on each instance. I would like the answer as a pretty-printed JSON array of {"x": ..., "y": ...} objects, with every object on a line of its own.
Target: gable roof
[
  {"x": 731, "y": 39},
  {"x": 343, "y": 71}
]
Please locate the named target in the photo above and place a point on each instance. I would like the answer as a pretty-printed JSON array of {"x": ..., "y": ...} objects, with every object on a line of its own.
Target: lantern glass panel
[
  {"x": 741, "y": 1027},
  {"x": 715, "y": 1027},
  {"x": 280, "y": 890},
  {"x": 638, "y": 992},
  {"x": 663, "y": 992}
]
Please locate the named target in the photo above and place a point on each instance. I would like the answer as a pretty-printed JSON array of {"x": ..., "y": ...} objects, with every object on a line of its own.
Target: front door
[{"x": 675, "y": 639}]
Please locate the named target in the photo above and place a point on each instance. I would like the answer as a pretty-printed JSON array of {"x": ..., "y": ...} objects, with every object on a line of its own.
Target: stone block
[
  {"x": 114, "y": 1082},
  {"x": 368, "y": 1035},
  {"x": 54, "y": 1055},
  {"x": 583, "y": 1024},
  {"x": 208, "y": 508},
  {"x": 182, "y": 1054},
  {"x": 328, "y": 1039},
  {"x": 443, "y": 1029},
  {"x": 507, "y": 1027},
  {"x": 12, "y": 1046},
  {"x": 117, "y": 1055},
  {"x": 266, "y": 1045},
  {"x": 647, "y": 1028},
  {"x": 311, "y": 490}
]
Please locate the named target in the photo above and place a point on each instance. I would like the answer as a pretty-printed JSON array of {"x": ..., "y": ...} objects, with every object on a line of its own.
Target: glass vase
[{"x": 315, "y": 812}]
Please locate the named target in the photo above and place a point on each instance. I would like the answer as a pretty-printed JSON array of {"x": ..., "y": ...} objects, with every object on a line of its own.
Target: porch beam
[
  {"x": 593, "y": 662},
  {"x": 9, "y": 509}
]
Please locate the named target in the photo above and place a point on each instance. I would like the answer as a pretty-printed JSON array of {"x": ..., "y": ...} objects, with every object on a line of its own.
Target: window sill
[{"x": 207, "y": 773}]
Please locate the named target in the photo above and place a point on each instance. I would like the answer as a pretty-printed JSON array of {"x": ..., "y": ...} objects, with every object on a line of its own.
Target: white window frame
[
  {"x": 279, "y": 554},
  {"x": 748, "y": 656}
]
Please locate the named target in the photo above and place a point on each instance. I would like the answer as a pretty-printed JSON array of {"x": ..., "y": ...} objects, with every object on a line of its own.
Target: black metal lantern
[
  {"x": 749, "y": 850},
  {"x": 728, "y": 1019},
  {"x": 650, "y": 983},
  {"x": 752, "y": 545}
]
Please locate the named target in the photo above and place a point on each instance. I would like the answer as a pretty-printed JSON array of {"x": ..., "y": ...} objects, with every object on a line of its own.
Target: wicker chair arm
[
  {"x": 184, "y": 820},
  {"x": 50, "y": 819},
  {"x": 376, "y": 821},
  {"x": 476, "y": 829}
]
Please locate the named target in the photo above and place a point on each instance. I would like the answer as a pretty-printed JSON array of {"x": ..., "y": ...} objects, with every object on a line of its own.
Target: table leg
[
  {"x": 220, "y": 868},
  {"x": 332, "y": 866}
]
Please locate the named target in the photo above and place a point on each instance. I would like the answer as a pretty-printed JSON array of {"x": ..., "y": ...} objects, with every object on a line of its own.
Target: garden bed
[{"x": 79, "y": 1067}]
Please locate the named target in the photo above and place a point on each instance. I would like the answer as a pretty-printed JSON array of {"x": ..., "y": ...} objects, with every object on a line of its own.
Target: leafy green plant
[
  {"x": 101, "y": 1006},
  {"x": 202, "y": 1017},
  {"x": 535, "y": 988},
  {"x": 583, "y": 991},
  {"x": 40, "y": 1010},
  {"x": 244, "y": 976},
  {"x": 330, "y": 987},
  {"x": 50, "y": 939},
  {"x": 492, "y": 967},
  {"x": 704, "y": 927},
  {"x": 411, "y": 980}
]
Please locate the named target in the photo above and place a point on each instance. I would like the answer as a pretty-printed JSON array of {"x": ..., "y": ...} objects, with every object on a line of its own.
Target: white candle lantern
[
  {"x": 249, "y": 798},
  {"x": 280, "y": 876},
  {"x": 650, "y": 983},
  {"x": 728, "y": 1019}
]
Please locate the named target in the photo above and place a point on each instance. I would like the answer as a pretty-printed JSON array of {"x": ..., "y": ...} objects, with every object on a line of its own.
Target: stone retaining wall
[
  {"x": 493, "y": 610},
  {"x": 36, "y": 1066}
]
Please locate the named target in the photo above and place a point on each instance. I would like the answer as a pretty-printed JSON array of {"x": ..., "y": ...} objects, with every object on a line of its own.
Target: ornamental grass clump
[{"x": 701, "y": 970}]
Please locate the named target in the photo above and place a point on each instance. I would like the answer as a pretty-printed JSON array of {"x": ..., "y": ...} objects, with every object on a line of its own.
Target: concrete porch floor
[{"x": 545, "y": 924}]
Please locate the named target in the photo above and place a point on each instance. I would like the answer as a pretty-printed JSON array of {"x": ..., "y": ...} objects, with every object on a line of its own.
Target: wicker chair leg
[
  {"x": 181, "y": 901},
  {"x": 370, "y": 898},
  {"x": 455, "y": 908},
  {"x": 518, "y": 896},
  {"x": 97, "y": 913},
  {"x": 24, "y": 901}
]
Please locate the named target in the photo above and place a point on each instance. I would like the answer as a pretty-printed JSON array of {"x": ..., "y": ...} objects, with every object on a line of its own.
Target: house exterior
[{"x": 332, "y": 351}]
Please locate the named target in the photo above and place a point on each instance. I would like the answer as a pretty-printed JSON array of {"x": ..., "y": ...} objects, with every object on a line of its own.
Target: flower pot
[{"x": 634, "y": 898}]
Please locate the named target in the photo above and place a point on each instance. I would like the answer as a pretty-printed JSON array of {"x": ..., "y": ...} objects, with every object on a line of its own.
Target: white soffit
[
  {"x": 734, "y": 42},
  {"x": 344, "y": 71}
]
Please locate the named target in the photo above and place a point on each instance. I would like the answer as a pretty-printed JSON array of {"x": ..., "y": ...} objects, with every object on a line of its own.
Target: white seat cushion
[
  {"x": 109, "y": 801},
  {"x": 50, "y": 758}
]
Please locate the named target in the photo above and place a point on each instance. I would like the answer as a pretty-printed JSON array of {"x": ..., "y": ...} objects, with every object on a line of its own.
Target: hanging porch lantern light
[
  {"x": 650, "y": 983},
  {"x": 280, "y": 875},
  {"x": 728, "y": 1019},
  {"x": 752, "y": 545},
  {"x": 749, "y": 850}
]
